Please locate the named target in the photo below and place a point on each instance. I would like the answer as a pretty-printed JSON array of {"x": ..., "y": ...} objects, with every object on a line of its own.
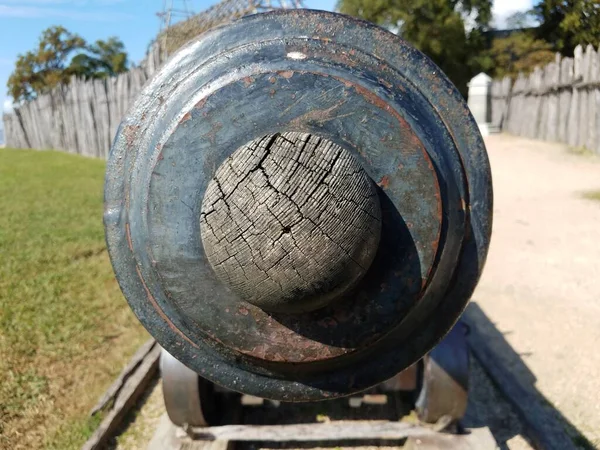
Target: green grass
[
  {"x": 593, "y": 195},
  {"x": 65, "y": 329},
  {"x": 582, "y": 151}
]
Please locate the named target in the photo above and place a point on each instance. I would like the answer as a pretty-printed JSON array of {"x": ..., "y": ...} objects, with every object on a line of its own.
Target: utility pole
[{"x": 173, "y": 11}]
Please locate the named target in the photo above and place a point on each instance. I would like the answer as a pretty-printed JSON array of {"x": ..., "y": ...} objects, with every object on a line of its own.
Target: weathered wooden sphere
[
  {"x": 298, "y": 205},
  {"x": 290, "y": 222}
]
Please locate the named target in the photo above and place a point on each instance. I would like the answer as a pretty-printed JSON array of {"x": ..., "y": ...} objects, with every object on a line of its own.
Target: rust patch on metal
[
  {"x": 318, "y": 116},
  {"x": 384, "y": 182},
  {"x": 287, "y": 74},
  {"x": 185, "y": 118},
  {"x": 385, "y": 83},
  {"x": 248, "y": 81},
  {"x": 130, "y": 133},
  {"x": 437, "y": 194},
  {"x": 272, "y": 80},
  {"x": 128, "y": 236},
  {"x": 277, "y": 339},
  {"x": 212, "y": 134},
  {"x": 200, "y": 104}
]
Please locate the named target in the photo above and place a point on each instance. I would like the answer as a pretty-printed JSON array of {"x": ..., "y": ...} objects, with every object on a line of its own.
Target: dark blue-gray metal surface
[{"x": 344, "y": 80}]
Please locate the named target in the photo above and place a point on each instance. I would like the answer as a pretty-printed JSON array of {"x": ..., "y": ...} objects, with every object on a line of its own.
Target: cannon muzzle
[{"x": 298, "y": 206}]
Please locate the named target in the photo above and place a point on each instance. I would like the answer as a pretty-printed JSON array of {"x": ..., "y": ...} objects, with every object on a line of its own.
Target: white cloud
[
  {"x": 7, "y": 106},
  {"x": 32, "y": 12},
  {"x": 504, "y": 8}
]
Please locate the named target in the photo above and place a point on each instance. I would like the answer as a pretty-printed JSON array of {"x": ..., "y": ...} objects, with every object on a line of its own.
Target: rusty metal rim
[
  {"x": 412, "y": 318},
  {"x": 470, "y": 147},
  {"x": 149, "y": 251}
]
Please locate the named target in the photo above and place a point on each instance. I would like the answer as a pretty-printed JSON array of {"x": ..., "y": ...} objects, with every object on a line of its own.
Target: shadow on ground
[
  {"x": 502, "y": 397},
  {"x": 543, "y": 424}
]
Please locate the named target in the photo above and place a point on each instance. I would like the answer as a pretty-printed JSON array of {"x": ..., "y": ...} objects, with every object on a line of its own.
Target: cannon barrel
[{"x": 298, "y": 205}]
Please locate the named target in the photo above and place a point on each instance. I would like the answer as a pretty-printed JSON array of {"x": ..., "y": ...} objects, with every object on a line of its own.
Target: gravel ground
[
  {"x": 541, "y": 285},
  {"x": 141, "y": 423},
  {"x": 487, "y": 408}
]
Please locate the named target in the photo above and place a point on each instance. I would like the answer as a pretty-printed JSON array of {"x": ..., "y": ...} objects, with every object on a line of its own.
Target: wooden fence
[
  {"x": 559, "y": 102},
  {"x": 82, "y": 117}
]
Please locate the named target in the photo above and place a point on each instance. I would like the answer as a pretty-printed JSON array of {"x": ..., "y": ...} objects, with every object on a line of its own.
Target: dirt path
[{"x": 541, "y": 284}]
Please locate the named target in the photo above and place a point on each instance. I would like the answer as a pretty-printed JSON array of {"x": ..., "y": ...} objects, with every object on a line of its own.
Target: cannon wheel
[
  {"x": 445, "y": 379},
  {"x": 190, "y": 400}
]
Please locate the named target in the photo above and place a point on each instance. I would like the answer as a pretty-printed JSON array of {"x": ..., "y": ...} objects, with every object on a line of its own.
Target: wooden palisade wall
[
  {"x": 560, "y": 102},
  {"x": 81, "y": 117}
]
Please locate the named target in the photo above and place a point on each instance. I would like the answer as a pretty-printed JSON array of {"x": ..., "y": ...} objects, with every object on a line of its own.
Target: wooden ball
[{"x": 290, "y": 222}]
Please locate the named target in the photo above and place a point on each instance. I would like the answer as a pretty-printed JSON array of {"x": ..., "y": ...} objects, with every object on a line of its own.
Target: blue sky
[{"x": 134, "y": 21}]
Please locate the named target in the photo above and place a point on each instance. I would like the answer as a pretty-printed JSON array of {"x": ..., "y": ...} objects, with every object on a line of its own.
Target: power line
[
  {"x": 173, "y": 11},
  {"x": 176, "y": 12}
]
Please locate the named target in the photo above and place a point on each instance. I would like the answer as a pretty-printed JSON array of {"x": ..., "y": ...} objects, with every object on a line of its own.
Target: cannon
[{"x": 298, "y": 207}]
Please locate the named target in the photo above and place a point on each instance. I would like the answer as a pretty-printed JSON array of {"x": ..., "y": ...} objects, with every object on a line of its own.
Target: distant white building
[{"x": 480, "y": 101}]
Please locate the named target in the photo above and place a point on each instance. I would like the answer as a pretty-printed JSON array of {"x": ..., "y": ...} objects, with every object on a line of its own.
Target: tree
[
  {"x": 103, "y": 59},
  {"x": 568, "y": 23},
  {"x": 450, "y": 32},
  {"x": 44, "y": 68},
  {"x": 519, "y": 52},
  {"x": 61, "y": 55}
]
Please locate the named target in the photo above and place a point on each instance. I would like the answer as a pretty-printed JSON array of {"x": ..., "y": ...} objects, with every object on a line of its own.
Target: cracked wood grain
[{"x": 290, "y": 221}]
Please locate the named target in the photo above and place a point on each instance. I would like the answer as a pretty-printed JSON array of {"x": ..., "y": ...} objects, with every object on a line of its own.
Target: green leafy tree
[
  {"x": 103, "y": 59},
  {"x": 450, "y": 32},
  {"x": 60, "y": 55},
  {"x": 568, "y": 23},
  {"x": 519, "y": 52},
  {"x": 45, "y": 67}
]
